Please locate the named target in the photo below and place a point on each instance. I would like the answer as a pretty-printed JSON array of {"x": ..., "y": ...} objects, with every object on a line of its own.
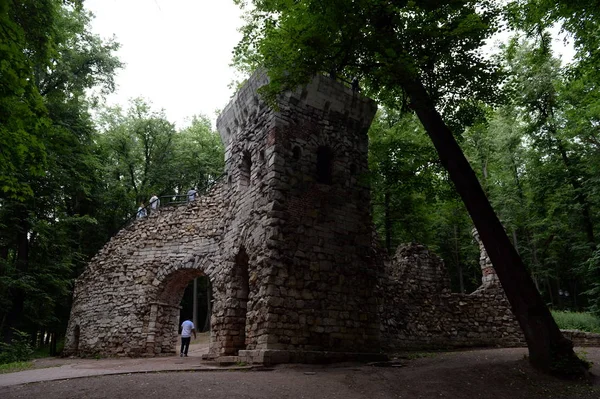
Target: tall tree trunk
[
  {"x": 53, "y": 349},
  {"x": 14, "y": 317},
  {"x": 548, "y": 349},
  {"x": 208, "y": 306},
  {"x": 550, "y": 290},
  {"x": 588, "y": 226}
]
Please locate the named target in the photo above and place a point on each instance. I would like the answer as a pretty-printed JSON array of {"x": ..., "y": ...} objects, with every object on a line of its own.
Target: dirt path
[{"x": 496, "y": 373}]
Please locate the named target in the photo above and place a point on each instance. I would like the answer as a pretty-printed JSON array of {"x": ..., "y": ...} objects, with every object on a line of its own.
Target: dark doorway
[
  {"x": 76, "y": 334},
  {"x": 203, "y": 303}
]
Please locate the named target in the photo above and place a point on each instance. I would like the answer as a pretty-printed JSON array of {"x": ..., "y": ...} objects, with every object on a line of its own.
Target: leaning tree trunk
[{"x": 549, "y": 350}]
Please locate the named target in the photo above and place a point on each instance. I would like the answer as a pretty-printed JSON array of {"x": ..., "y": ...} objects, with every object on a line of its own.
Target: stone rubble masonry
[
  {"x": 421, "y": 312},
  {"x": 289, "y": 256},
  {"x": 287, "y": 242}
]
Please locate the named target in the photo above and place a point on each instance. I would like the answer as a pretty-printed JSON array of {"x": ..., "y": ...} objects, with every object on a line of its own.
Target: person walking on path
[{"x": 187, "y": 328}]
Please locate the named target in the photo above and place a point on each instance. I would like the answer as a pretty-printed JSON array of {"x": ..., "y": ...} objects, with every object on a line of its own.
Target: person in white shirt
[
  {"x": 187, "y": 328},
  {"x": 192, "y": 194},
  {"x": 154, "y": 202},
  {"x": 141, "y": 213}
]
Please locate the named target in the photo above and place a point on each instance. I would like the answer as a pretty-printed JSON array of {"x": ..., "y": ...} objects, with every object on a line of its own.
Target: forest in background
[{"x": 70, "y": 180}]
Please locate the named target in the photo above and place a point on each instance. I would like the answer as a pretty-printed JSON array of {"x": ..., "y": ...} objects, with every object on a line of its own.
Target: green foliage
[
  {"x": 591, "y": 271},
  {"x": 47, "y": 164},
  {"x": 142, "y": 154},
  {"x": 379, "y": 42},
  {"x": 19, "y": 350},
  {"x": 15, "y": 367},
  {"x": 582, "y": 321},
  {"x": 22, "y": 111},
  {"x": 403, "y": 168},
  {"x": 413, "y": 200}
]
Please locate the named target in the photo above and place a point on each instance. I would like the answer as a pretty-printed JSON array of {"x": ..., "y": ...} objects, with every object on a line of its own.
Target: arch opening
[
  {"x": 174, "y": 304},
  {"x": 76, "y": 335}
]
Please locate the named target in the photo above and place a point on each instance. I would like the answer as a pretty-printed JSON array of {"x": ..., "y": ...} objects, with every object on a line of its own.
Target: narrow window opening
[
  {"x": 245, "y": 169},
  {"x": 297, "y": 153},
  {"x": 324, "y": 165}
]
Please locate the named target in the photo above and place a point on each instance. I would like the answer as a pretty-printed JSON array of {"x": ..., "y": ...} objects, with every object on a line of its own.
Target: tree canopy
[
  {"x": 68, "y": 181},
  {"x": 421, "y": 56}
]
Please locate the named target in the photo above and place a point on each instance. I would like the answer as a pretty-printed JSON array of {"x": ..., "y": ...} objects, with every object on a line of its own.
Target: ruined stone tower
[
  {"x": 302, "y": 223},
  {"x": 287, "y": 242},
  {"x": 285, "y": 239}
]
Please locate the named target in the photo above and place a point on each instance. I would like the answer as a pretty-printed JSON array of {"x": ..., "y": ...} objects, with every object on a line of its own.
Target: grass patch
[
  {"x": 576, "y": 321},
  {"x": 14, "y": 367}
]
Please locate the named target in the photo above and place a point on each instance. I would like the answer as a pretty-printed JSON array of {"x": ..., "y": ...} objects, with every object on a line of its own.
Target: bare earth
[{"x": 491, "y": 373}]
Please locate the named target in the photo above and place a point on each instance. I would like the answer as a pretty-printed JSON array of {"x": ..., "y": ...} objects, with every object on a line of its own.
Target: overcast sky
[{"x": 177, "y": 52}]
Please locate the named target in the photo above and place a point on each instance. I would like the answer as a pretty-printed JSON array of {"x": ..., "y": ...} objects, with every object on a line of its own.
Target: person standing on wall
[
  {"x": 154, "y": 203},
  {"x": 187, "y": 328},
  {"x": 141, "y": 213},
  {"x": 192, "y": 194}
]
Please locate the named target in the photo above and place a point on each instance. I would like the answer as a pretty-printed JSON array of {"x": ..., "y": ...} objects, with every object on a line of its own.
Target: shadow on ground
[{"x": 491, "y": 373}]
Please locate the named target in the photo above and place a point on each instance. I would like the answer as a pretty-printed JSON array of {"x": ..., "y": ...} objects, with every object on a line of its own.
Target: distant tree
[
  {"x": 199, "y": 155},
  {"x": 144, "y": 154},
  {"x": 50, "y": 170}
]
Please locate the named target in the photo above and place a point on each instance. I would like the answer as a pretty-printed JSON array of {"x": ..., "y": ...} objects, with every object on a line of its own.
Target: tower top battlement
[{"x": 321, "y": 93}]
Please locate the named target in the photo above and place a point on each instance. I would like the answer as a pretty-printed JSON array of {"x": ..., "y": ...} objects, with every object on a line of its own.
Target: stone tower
[
  {"x": 285, "y": 238},
  {"x": 303, "y": 229}
]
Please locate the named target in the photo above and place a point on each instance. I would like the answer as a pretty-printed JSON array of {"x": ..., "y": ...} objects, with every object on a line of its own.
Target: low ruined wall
[
  {"x": 581, "y": 338},
  {"x": 420, "y": 312}
]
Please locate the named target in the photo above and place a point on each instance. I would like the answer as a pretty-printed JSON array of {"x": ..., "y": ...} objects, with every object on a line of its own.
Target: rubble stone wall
[
  {"x": 284, "y": 239},
  {"x": 287, "y": 242},
  {"x": 126, "y": 302},
  {"x": 420, "y": 312}
]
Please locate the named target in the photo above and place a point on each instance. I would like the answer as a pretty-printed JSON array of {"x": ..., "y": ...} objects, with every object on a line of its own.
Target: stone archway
[
  {"x": 163, "y": 319},
  {"x": 285, "y": 240}
]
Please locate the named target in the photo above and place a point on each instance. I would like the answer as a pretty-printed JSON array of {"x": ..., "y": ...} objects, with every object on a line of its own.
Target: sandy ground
[{"x": 491, "y": 373}]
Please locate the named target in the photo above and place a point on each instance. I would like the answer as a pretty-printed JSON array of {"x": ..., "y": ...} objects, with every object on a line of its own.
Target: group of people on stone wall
[{"x": 143, "y": 211}]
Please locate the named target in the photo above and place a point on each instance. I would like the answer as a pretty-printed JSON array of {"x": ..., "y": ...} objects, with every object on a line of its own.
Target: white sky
[{"x": 176, "y": 52}]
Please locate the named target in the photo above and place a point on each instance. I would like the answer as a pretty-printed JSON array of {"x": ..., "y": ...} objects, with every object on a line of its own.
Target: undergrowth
[
  {"x": 577, "y": 321},
  {"x": 14, "y": 367}
]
